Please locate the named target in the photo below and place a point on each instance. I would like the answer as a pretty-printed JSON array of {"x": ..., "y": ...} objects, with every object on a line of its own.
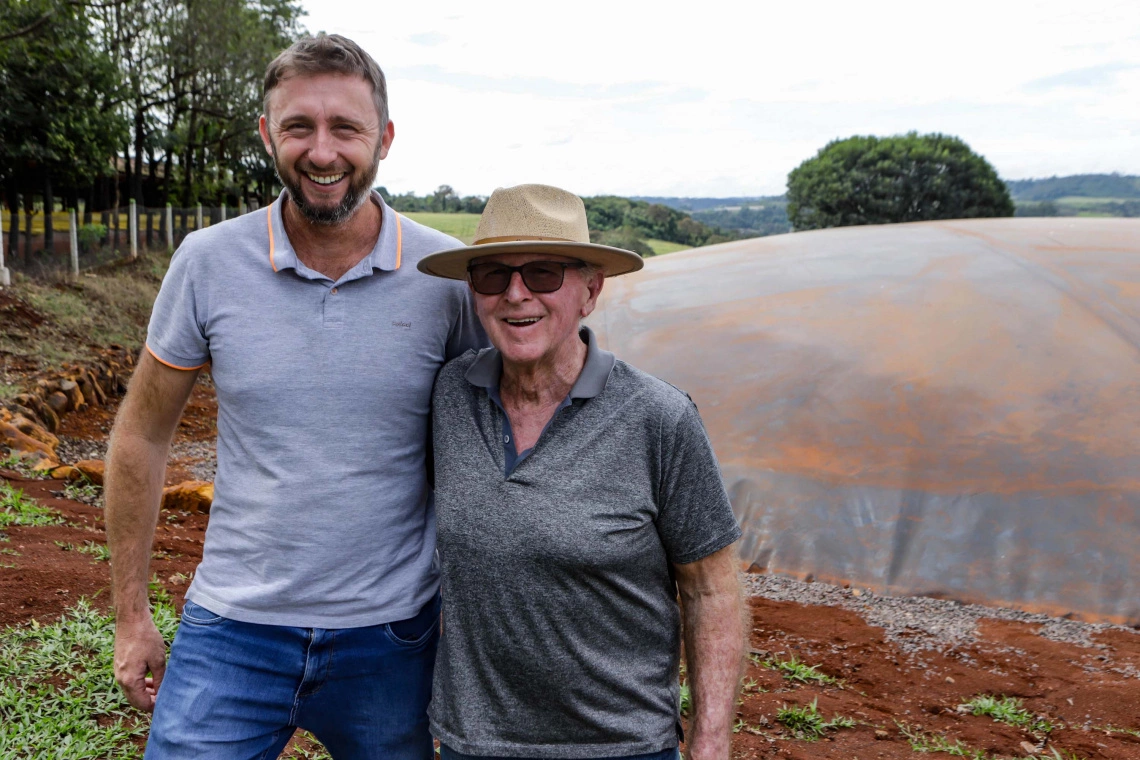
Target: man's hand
[
  {"x": 139, "y": 649},
  {"x": 713, "y": 615},
  {"x": 136, "y": 465}
]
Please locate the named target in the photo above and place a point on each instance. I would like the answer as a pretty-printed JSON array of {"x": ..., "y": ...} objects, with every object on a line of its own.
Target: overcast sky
[{"x": 714, "y": 98}]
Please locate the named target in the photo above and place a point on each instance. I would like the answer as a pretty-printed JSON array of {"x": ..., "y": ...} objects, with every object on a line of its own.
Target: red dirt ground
[{"x": 880, "y": 686}]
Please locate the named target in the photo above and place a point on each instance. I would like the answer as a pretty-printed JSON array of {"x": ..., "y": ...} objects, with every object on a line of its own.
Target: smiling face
[
  {"x": 537, "y": 328},
  {"x": 325, "y": 137}
]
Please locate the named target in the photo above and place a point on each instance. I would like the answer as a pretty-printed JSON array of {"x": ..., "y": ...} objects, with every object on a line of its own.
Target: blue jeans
[
  {"x": 447, "y": 753},
  {"x": 237, "y": 691}
]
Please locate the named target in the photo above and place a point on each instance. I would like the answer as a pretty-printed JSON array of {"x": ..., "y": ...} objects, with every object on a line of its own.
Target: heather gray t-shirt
[
  {"x": 322, "y": 514},
  {"x": 561, "y": 626}
]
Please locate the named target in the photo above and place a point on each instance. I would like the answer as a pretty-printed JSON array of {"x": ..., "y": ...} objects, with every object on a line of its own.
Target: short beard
[{"x": 354, "y": 197}]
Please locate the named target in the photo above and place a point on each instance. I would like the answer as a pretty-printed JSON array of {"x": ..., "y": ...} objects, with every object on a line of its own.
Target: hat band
[{"x": 519, "y": 238}]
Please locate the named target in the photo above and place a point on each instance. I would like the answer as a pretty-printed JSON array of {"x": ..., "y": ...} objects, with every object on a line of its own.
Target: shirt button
[
  {"x": 506, "y": 439},
  {"x": 334, "y": 291}
]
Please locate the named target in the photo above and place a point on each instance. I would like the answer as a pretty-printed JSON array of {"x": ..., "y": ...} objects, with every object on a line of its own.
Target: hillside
[{"x": 1101, "y": 186}]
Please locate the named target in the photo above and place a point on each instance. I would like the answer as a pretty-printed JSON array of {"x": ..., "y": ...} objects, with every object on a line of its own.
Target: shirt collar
[
  {"x": 386, "y": 255},
  {"x": 487, "y": 368}
]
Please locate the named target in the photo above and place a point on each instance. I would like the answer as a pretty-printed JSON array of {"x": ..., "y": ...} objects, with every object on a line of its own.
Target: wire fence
[{"x": 76, "y": 239}]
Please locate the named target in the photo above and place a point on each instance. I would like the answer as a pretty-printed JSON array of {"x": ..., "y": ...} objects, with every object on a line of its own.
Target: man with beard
[{"x": 316, "y": 604}]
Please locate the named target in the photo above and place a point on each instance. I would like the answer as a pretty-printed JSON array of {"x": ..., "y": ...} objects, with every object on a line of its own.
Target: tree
[{"x": 905, "y": 178}]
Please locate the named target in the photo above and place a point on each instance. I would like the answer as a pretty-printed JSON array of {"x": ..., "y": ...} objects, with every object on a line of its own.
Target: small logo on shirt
[{"x": 401, "y": 324}]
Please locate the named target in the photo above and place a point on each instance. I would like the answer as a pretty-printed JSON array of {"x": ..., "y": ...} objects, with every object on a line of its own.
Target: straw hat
[{"x": 532, "y": 219}]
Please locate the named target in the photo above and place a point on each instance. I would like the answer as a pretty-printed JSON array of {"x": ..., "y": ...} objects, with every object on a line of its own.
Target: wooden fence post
[
  {"x": 169, "y": 229},
  {"x": 73, "y": 230},
  {"x": 5, "y": 277},
  {"x": 133, "y": 228},
  {"x": 198, "y": 226},
  {"x": 223, "y": 214}
]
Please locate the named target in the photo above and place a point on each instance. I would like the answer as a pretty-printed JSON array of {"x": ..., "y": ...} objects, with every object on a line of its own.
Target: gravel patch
[
  {"x": 202, "y": 454},
  {"x": 70, "y": 450},
  {"x": 916, "y": 623}
]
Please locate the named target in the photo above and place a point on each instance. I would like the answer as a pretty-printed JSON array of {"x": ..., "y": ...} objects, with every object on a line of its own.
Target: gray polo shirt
[
  {"x": 322, "y": 514},
  {"x": 561, "y": 624}
]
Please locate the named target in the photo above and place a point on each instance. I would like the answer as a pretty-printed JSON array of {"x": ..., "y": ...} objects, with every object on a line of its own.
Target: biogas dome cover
[{"x": 940, "y": 408}]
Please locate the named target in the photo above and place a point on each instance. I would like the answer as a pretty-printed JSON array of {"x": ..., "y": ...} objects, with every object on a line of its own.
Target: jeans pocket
[
  {"x": 199, "y": 615},
  {"x": 417, "y": 629}
]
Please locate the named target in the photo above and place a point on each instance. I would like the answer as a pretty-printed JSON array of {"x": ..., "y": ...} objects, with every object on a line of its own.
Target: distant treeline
[
  {"x": 616, "y": 221},
  {"x": 1118, "y": 186},
  {"x": 701, "y": 204},
  {"x": 1092, "y": 207},
  {"x": 443, "y": 201}
]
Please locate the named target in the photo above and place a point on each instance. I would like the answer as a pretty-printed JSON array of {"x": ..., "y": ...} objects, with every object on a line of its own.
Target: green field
[
  {"x": 460, "y": 225},
  {"x": 665, "y": 246}
]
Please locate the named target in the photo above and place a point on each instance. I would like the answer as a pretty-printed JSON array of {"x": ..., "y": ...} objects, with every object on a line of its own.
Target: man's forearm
[
  {"x": 135, "y": 472},
  {"x": 714, "y": 635}
]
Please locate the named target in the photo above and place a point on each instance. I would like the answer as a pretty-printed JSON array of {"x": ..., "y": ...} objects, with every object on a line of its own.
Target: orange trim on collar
[
  {"x": 269, "y": 223},
  {"x": 173, "y": 366},
  {"x": 399, "y": 239}
]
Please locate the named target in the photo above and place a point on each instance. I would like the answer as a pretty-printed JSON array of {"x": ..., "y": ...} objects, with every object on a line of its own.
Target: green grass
[
  {"x": 17, "y": 509},
  {"x": 100, "y": 552},
  {"x": 921, "y": 741},
  {"x": 8, "y": 391},
  {"x": 794, "y": 670},
  {"x": 806, "y": 722},
  {"x": 1008, "y": 710},
  {"x": 666, "y": 246},
  {"x": 460, "y": 225},
  {"x": 58, "y": 696},
  {"x": 82, "y": 490},
  {"x": 111, "y": 306}
]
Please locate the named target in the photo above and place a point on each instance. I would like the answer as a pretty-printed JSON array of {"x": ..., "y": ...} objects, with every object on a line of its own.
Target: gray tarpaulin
[{"x": 942, "y": 408}]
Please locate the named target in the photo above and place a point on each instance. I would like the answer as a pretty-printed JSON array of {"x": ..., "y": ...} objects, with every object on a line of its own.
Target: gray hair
[{"x": 328, "y": 54}]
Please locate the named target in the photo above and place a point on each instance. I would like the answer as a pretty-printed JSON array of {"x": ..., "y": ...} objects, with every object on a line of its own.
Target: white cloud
[{"x": 725, "y": 98}]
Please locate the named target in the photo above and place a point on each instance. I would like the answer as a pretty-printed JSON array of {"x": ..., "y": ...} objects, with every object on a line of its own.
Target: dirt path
[{"x": 904, "y": 675}]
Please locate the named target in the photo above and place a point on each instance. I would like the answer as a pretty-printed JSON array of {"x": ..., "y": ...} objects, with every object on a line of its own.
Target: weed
[
  {"x": 100, "y": 552},
  {"x": 686, "y": 699},
  {"x": 794, "y": 670},
  {"x": 181, "y": 577},
  {"x": 1057, "y": 755},
  {"x": 738, "y": 725},
  {"x": 65, "y": 546},
  {"x": 17, "y": 509},
  {"x": 12, "y": 552},
  {"x": 1109, "y": 729},
  {"x": 86, "y": 716},
  {"x": 807, "y": 723},
  {"x": 1008, "y": 710},
  {"x": 8, "y": 391},
  {"x": 921, "y": 741},
  {"x": 316, "y": 751},
  {"x": 18, "y": 464},
  {"x": 752, "y": 685},
  {"x": 82, "y": 490}
]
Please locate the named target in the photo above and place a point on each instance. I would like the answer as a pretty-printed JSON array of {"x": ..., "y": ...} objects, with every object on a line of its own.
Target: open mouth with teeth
[
  {"x": 325, "y": 179},
  {"x": 522, "y": 322}
]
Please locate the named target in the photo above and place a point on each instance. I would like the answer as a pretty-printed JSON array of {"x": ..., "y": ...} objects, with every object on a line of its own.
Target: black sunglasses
[{"x": 491, "y": 279}]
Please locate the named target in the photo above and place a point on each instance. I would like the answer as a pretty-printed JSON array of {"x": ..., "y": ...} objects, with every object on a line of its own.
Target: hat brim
[{"x": 452, "y": 264}]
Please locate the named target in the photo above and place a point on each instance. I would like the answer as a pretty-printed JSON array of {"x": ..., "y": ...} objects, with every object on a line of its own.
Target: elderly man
[
  {"x": 576, "y": 495},
  {"x": 316, "y": 603}
]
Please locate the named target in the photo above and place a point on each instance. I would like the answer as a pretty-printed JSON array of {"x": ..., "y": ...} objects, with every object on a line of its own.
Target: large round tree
[{"x": 905, "y": 178}]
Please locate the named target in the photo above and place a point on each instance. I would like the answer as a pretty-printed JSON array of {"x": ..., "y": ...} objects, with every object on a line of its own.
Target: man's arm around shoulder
[
  {"x": 712, "y": 611},
  {"x": 136, "y": 467}
]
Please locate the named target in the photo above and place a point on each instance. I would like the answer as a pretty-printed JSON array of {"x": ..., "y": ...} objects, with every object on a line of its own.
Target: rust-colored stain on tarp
[{"x": 943, "y": 407}]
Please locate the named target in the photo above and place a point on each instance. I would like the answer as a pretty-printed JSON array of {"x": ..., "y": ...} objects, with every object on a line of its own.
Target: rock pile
[{"x": 28, "y": 422}]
